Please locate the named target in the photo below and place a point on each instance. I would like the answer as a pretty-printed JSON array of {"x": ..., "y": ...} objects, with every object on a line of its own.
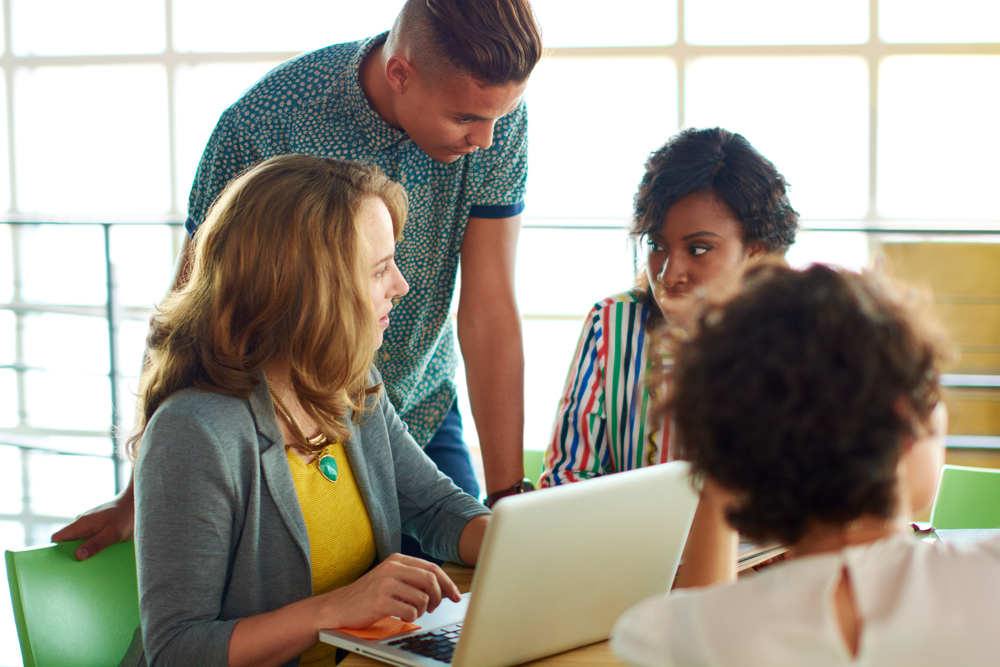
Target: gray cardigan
[{"x": 219, "y": 532}]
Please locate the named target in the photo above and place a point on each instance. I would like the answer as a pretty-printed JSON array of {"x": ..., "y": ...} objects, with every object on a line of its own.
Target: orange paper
[{"x": 382, "y": 628}]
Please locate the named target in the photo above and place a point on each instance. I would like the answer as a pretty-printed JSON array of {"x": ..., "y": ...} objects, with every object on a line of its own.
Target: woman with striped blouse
[{"x": 708, "y": 208}]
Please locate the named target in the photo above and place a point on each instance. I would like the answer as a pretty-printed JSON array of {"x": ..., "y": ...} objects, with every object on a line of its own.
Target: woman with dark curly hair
[
  {"x": 709, "y": 207},
  {"x": 809, "y": 406}
]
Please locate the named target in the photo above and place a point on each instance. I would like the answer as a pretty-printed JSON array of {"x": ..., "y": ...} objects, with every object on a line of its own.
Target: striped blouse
[{"x": 601, "y": 426}]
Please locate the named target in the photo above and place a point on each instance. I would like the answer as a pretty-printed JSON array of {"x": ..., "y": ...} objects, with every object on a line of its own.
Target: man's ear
[{"x": 398, "y": 74}]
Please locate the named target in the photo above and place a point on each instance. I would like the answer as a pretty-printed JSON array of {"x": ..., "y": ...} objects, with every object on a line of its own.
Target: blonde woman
[{"x": 273, "y": 478}]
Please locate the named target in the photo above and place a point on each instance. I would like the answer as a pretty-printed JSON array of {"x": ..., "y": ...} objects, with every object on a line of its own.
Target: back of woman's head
[
  {"x": 798, "y": 396},
  {"x": 279, "y": 276},
  {"x": 716, "y": 161}
]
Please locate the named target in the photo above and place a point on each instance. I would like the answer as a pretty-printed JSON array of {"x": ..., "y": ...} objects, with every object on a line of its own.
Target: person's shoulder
[
  {"x": 685, "y": 626},
  {"x": 781, "y": 591},
  {"x": 514, "y": 122},
  {"x": 631, "y": 301},
  {"x": 946, "y": 572},
  {"x": 510, "y": 136},
  {"x": 966, "y": 553},
  {"x": 333, "y": 59},
  {"x": 915, "y": 583},
  {"x": 378, "y": 409},
  {"x": 990, "y": 545},
  {"x": 193, "y": 423},
  {"x": 215, "y": 412},
  {"x": 298, "y": 82},
  {"x": 195, "y": 399}
]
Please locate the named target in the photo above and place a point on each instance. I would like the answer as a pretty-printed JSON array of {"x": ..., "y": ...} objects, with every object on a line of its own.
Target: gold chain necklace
[{"x": 325, "y": 461}]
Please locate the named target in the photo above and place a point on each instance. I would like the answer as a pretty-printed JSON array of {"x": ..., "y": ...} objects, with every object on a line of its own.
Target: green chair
[
  {"x": 967, "y": 498},
  {"x": 533, "y": 464},
  {"x": 73, "y": 613}
]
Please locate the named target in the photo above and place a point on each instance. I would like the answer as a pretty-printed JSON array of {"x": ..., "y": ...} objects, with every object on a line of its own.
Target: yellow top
[{"x": 341, "y": 541}]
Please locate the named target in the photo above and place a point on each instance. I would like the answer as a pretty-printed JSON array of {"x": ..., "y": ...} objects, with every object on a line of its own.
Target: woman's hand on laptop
[
  {"x": 401, "y": 586},
  {"x": 398, "y": 586}
]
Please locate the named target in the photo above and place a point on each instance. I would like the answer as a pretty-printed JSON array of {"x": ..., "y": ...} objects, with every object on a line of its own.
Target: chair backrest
[
  {"x": 73, "y": 613},
  {"x": 967, "y": 498},
  {"x": 533, "y": 459}
]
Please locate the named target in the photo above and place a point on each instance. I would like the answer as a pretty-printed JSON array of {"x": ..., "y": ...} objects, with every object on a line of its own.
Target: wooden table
[{"x": 594, "y": 655}]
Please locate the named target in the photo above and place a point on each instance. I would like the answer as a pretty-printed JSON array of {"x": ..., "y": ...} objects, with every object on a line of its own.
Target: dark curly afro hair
[{"x": 799, "y": 393}]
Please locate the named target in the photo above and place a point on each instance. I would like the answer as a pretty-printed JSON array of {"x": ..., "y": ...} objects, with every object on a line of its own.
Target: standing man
[{"x": 437, "y": 104}]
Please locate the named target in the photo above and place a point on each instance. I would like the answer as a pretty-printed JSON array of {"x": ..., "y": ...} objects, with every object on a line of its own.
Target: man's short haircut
[
  {"x": 798, "y": 395},
  {"x": 496, "y": 42}
]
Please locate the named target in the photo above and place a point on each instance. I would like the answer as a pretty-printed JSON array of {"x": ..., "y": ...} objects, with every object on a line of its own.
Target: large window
[{"x": 880, "y": 113}]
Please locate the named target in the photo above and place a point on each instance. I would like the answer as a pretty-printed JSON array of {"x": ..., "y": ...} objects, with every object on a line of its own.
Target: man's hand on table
[{"x": 106, "y": 524}]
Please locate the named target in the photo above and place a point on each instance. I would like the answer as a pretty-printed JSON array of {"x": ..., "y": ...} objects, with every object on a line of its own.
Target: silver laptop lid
[{"x": 560, "y": 565}]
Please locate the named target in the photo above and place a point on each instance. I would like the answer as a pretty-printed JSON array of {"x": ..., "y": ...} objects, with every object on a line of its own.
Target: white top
[{"x": 921, "y": 603}]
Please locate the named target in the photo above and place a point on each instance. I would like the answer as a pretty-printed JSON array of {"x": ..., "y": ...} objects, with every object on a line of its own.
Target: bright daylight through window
[{"x": 878, "y": 112}]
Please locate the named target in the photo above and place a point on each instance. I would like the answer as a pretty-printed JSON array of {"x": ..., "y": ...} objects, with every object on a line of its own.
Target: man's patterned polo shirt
[{"x": 314, "y": 104}]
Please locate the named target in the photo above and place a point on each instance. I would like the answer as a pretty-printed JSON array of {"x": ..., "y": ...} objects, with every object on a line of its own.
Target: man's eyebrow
[{"x": 472, "y": 116}]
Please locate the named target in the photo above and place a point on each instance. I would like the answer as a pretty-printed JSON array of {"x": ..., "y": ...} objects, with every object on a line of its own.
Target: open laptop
[{"x": 557, "y": 568}]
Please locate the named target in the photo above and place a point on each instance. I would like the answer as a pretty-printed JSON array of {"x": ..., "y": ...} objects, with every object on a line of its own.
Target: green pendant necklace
[
  {"x": 328, "y": 466},
  {"x": 325, "y": 461}
]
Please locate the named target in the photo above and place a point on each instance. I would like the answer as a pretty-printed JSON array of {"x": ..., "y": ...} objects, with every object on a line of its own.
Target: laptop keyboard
[{"x": 438, "y": 644}]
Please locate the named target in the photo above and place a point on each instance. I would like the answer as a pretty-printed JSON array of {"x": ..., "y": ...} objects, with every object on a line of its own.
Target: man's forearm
[{"x": 493, "y": 352}]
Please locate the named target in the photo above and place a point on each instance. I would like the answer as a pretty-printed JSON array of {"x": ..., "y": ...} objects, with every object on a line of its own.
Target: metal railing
[{"x": 31, "y": 439}]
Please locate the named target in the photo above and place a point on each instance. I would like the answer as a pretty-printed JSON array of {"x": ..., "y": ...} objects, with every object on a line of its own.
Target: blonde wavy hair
[{"x": 280, "y": 274}]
